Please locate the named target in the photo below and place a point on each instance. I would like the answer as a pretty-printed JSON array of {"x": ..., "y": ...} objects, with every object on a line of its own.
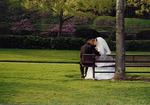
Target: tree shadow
[
  {"x": 137, "y": 78},
  {"x": 74, "y": 77}
]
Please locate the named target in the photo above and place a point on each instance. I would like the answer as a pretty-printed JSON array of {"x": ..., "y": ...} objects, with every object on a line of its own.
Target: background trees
[
  {"x": 47, "y": 16},
  {"x": 67, "y": 9},
  {"x": 56, "y": 13},
  {"x": 140, "y": 8},
  {"x": 98, "y": 7},
  {"x": 63, "y": 9}
]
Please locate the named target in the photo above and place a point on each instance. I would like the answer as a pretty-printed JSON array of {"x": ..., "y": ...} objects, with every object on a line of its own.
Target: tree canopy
[{"x": 141, "y": 7}]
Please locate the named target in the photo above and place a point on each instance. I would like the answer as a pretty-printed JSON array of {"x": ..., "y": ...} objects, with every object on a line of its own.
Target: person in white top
[{"x": 104, "y": 50}]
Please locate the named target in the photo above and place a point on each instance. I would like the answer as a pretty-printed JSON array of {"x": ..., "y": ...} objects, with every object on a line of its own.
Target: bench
[{"x": 89, "y": 60}]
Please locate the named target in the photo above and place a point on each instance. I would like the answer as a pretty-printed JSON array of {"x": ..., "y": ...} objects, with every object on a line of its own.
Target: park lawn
[
  {"x": 39, "y": 55},
  {"x": 60, "y": 84},
  {"x": 44, "y": 55}
]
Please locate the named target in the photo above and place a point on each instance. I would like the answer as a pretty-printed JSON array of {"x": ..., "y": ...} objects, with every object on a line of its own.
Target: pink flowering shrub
[
  {"x": 24, "y": 26},
  {"x": 67, "y": 28}
]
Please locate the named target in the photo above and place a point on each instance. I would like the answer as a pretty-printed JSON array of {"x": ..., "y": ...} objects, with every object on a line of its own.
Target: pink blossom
[
  {"x": 67, "y": 28},
  {"x": 23, "y": 25}
]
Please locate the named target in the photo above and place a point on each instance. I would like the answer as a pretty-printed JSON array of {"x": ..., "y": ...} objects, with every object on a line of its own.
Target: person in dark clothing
[{"x": 87, "y": 48}]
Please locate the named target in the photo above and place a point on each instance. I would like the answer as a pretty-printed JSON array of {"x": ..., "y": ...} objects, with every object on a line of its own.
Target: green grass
[
  {"x": 59, "y": 84},
  {"x": 44, "y": 55},
  {"x": 39, "y": 55}
]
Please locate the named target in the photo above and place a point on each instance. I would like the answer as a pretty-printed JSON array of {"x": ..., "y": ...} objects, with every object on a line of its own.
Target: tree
[
  {"x": 9, "y": 10},
  {"x": 64, "y": 9},
  {"x": 97, "y": 7},
  {"x": 67, "y": 9},
  {"x": 120, "y": 40},
  {"x": 141, "y": 7},
  {"x": 3, "y": 10}
]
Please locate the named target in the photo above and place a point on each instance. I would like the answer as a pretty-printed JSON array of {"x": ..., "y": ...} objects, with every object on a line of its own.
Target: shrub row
[
  {"x": 64, "y": 43},
  {"x": 132, "y": 45},
  {"x": 141, "y": 35},
  {"x": 138, "y": 45},
  {"x": 35, "y": 42}
]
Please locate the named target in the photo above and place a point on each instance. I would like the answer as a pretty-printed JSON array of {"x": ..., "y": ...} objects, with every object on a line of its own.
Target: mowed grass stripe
[
  {"x": 44, "y": 55},
  {"x": 39, "y": 55},
  {"x": 60, "y": 84}
]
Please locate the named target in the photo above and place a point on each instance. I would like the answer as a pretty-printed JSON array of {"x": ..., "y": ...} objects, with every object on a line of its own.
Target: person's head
[{"x": 92, "y": 42}]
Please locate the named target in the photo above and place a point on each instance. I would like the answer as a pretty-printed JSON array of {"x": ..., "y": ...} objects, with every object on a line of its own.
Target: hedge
[
  {"x": 64, "y": 43},
  {"x": 138, "y": 45},
  {"x": 36, "y": 42},
  {"x": 132, "y": 45}
]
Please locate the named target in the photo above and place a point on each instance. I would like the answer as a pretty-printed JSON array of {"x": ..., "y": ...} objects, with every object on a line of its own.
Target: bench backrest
[
  {"x": 137, "y": 58},
  {"x": 88, "y": 59},
  {"x": 130, "y": 60}
]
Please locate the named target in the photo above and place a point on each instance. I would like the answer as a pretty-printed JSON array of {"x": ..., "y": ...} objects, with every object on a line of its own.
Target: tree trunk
[
  {"x": 61, "y": 21},
  {"x": 120, "y": 41}
]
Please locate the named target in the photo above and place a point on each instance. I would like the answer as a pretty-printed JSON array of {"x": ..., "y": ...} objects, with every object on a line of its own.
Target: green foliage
[
  {"x": 134, "y": 25},
  {"x": 105, "y": 23},
  {"x": 39, "y": 42},
  {"x": 145, "y": 34},
  {"x": 142, "y": 7},
  {"x": 67, "y": 6},
  {"x": 15, "y": 3},
  {"x": 138, "y": 45},
  {"x": 54, "y": 6},
  {"x": 15, "y": 7},
  {"x": 64, "y": 43},
  {"x": 133, "y": 45},
  {"x": 3, "y": 8},
  {"x": 72, "y": 7},
  {"x": 36, "y": 4},
  {"x": 98, "y": 7}
]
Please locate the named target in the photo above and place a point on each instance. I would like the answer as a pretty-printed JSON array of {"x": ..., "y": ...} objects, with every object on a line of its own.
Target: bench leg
[{"x": 93, "y": 72}]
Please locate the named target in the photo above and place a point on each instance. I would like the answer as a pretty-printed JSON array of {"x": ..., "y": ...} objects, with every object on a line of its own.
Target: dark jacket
[{"x": 88, "y": 49}]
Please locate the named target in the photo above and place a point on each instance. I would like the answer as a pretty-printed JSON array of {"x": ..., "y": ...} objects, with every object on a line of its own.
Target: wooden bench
[{"x": 89, "y": 60}]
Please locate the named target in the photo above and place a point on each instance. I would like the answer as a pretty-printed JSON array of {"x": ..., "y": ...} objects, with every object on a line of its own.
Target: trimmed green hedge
[
  {"x": 138, "y": 45},
  {"x": 133, "y": 45},
  {"x": 64, "y": 43},
  {"x": 36, "y": 42}
]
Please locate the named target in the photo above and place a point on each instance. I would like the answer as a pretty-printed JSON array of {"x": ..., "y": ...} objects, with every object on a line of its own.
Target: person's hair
[
  {"x": 96, "y": 39},
  {"x": 91, "y": 41}
]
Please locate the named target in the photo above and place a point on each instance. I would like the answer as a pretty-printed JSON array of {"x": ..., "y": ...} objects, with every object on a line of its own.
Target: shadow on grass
[
  {"x": 72, "y": 76},
  {"x": 137, "y": 78}
]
